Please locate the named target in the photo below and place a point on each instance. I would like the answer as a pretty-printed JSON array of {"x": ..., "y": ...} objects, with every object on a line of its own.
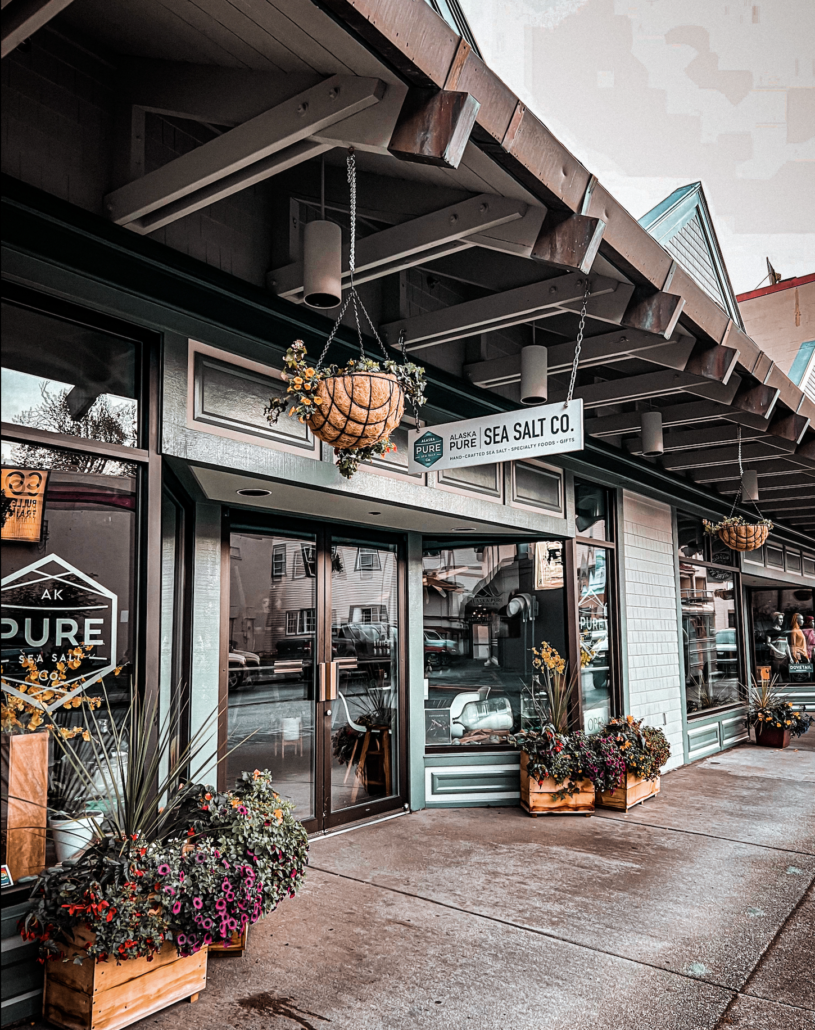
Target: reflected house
[{"x": 369, "y": 640}]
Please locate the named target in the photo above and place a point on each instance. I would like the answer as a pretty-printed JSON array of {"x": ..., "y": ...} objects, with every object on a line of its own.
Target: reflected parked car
[
  {"x": 727, "y": 654},
  {"x": 439, "y": 650},
  {"x": 243, "y": 668}
]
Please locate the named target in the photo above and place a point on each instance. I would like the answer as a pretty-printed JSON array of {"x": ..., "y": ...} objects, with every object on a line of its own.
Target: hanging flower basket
[
  {"x": 355, "y": 408},
  {"x": 739, "y": 535}
]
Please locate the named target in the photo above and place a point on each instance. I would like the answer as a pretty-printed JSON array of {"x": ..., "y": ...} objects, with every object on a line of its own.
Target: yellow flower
[
  {"x": 309, "y": 373},
  {"x": 318, "y": 400},
  {"x": 298, "y": 381}
]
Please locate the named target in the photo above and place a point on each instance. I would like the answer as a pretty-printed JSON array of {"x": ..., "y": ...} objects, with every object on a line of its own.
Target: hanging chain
[
  {"x": 352, "y": 297},
  {"x": 579, "y": 343}
]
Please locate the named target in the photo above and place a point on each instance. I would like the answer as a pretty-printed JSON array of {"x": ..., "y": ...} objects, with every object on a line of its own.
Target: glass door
[
  {"x": 313, "y": 681},
  {"x": 365, "y": 653}
]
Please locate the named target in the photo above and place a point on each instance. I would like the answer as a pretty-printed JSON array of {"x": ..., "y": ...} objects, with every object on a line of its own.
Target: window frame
[{"x": 744, "y": 658}]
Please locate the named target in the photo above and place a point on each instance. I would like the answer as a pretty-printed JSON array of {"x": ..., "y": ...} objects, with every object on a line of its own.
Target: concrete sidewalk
[{"x": 696, "y": 910}]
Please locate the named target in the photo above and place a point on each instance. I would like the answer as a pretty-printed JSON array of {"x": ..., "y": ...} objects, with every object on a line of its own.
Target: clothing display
[
  {"x": 798, "y": 643},
  {"x": 809, "y": 635}
]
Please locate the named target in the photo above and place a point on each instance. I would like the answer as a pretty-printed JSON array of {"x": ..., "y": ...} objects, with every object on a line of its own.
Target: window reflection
[
  {"x": 709, "y": 636},
  {"x": 67, "y": 378},
  {"x": 593, "y": 591},
  {"x": 484, "y": 609}
]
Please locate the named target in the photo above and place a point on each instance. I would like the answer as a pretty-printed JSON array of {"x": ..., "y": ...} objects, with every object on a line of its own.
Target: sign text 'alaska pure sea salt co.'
[{"x": 529, "y": 433}]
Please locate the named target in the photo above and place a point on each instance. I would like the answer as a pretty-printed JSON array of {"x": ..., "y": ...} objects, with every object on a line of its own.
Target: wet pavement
[{"x": 695, "y": 911}]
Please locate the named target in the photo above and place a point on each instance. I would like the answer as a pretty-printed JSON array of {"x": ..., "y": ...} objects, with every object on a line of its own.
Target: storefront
[{"x": 369, "y": 640}]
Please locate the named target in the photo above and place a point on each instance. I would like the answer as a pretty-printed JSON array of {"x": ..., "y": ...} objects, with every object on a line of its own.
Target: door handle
[{"x": 327, "y": 676}]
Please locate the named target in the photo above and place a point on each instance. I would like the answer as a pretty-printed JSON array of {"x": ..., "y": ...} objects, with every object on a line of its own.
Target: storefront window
[
  {"x": 65, "y": 377},
  {"x": 593, "y": 595},
  {"x": 485, "y": 607},
  {"x": 710, "y": 624},
  {"x": 783, "y": 634},
  {"x": 592, "y": 505}
]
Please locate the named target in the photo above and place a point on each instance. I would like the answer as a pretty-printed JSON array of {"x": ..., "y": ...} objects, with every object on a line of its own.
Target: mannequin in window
[
  {"x": 798, "y": 642},
  {"x": 809, "y": 635},
  {"x": 779, "y": 645}
]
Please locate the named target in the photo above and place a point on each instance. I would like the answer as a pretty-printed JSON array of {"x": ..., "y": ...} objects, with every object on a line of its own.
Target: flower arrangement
[
  {"x": 19, "y": 715},
  {"x": 643, "y": 749},
  {"x": 241, "y": 854},
  {"x": 733, "y": 521},
  {"x": 766, "y": 707},
  {"x": 569, "y": 758},
  {"x": 302, "y": 398}
]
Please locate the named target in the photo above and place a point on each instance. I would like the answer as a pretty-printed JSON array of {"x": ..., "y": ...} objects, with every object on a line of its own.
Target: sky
[{"x": 654, "y": 94}]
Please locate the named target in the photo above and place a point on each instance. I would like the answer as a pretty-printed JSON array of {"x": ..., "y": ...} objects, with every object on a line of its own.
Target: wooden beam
[
  {"x": 434, "y": 127},
  {"x": 645, "y": 387},
  {"x": 569, "y": 242},
  {"x": 715, "y": 362},
  {"x": 756, "y": 398},
  {"x": 698, "y": 439},
  {"x": 498, "y": 311},
  {"x": 23, "y": 18},
  {"x": 410, "y": 243},
  {"x": 286, "y": 125},
  {"x": 628, "y": 422},
  {"x": 780, "y": 485},
  {"x": 706, "y": 457},
  {"x": 596, "y": 350},
  {"x": 779, "y": 466},
  {"x": 789, "y": 426},
  {"x": 653, "y": 312}
]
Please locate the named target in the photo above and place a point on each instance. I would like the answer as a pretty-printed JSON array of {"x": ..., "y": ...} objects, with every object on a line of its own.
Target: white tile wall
[{"x": 655, "y": 688}]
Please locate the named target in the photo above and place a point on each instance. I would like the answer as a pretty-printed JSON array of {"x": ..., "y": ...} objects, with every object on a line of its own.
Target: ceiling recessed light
[
  {"x": 253, "y": 492},
  {"x": 374, "y": 512}
]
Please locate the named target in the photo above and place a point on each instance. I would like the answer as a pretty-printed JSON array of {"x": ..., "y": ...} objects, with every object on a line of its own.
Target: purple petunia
[
  {"x": 169, "y": 890},
  {"x": 181, "y": 939},
  {"x": 197, "y": 903},
  {"x": 164, "y": 869},
  {"x": 176, "y": 908},
  {"x": 199, "y": 858},
  {"x": 220, "y": 905}
]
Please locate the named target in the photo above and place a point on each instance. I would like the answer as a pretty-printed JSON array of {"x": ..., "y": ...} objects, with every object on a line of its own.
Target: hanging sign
[
  {"x": 23, "y": 504},
  {"x": 58, "y": 631},
  {"x": 528, "y": 433}
]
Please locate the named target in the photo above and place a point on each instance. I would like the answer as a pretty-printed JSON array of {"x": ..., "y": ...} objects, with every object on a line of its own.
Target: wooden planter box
[
  {"x": 772, "y": 736},
  {"x": 107, "y": 995},
  {"x": 24, "y": 775},
  {"x": 236, "y": 945},
  {"x": 634, "y": 791},
  {"x": 539, "y": 799}
]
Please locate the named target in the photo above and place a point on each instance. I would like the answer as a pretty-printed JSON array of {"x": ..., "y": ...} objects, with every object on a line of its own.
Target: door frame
[{"x": 269, "y": 523}]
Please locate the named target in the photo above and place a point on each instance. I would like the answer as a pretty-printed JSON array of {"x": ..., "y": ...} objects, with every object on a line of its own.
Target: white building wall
[{"x": 654, "y": 678}]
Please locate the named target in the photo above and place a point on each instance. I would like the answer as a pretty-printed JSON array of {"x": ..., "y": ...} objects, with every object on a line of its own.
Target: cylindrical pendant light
[
  {"x": 534, "y": 369},
  {"x": 322, "y": 264},
  {"x": 749, "y": 485},
  {"x": 651, "y": 425}
]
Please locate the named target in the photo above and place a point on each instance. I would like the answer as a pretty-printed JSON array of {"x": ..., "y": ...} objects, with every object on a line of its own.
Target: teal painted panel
[
  {"x": 734, "y": 729},
  {"x": 22, "y": 1008},
  {"x": 12, "y": 914},
  {"x": 479, "y": 760},
  {"x": 463, "y": 783},
  {"x": 21, "y": 975},
  {"x": 702, "y": 739}
]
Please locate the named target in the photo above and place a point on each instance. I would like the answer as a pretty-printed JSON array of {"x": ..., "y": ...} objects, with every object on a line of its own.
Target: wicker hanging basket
[
  {"x": 357, "y": 410},
  {"x": 743, "y": 538}
]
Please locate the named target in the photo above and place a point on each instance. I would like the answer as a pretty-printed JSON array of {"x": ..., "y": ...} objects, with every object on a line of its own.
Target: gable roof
[{"x": 682, "y": 224}]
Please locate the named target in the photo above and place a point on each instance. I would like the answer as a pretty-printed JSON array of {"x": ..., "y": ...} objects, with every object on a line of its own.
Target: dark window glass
[
  {"x": 593, "y": 603},
  {"x": 592, "y": 510},
  {"x": 783, "y": 634},
  {"x": 691, "y": 532},
  {"x": 709, "y": 637},
  {"x": 68, "y": 378},
  {"x": 69, "y": 583},
  {"x": 485, "y": 607}
]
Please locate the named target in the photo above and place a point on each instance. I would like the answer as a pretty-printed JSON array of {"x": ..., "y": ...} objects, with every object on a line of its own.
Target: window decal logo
[
  {"x": 428, "y": 449},
  {"x": 48, "y": 609}
]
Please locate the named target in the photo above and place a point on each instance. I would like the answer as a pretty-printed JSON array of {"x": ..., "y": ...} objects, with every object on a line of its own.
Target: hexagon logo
[
  {"x": 428, "y": 449},
  {"x": 48, "y": 608}
]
